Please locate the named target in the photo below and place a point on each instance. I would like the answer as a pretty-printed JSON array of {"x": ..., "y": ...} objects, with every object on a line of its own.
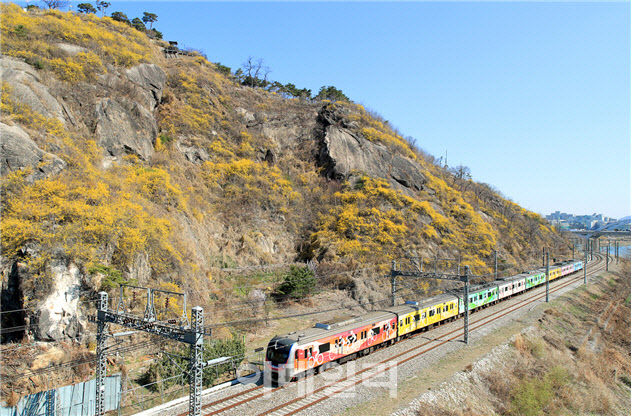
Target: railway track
[{"x": 306, "y": 400}]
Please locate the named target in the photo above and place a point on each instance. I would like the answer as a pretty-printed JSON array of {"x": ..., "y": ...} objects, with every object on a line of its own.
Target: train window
[
  {"x": 324, "y": 348},
  {"x": 376, "y": 330},
  {"x": 401, "y": 322},
  {"x": 417, "y": 317}
]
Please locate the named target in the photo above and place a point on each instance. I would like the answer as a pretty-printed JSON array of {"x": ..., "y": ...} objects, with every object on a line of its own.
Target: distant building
[{"x": 564, "y": 220}]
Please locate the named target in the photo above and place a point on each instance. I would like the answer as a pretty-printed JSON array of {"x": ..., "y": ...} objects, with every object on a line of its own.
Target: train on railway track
[{"x": 301, "y": 353}]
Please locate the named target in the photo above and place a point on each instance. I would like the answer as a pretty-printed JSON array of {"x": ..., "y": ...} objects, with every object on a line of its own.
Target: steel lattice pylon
[
  {"x": 192, "y": 335},
  {"x": 102, "y": 328},
  {"x": 195, "y": 362}
]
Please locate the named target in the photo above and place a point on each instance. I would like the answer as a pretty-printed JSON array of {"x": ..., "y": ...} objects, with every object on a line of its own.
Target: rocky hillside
[{"x": 120, "y": 165}]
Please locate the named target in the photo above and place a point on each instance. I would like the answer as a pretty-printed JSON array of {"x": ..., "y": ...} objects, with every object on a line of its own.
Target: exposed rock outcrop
[
  {"x": 193, "y": 153},
  {"x": 58, "y": 315},
  {"x": 151, "y": 80},
  {"x": 28, "y": 89},
  {"x": 125, "y": 127},
  {"x": 344, "y": 152},
  {"x": 125, "y": 124},
  {"x": 19, "y": 151}
]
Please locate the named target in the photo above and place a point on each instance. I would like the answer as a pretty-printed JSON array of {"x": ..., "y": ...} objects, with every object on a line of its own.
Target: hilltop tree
[
  {"x": 331, "y": 93},
  {"x": 102, "y": 6},
  {"x": 86, "y": 8},
  {"x": 138, "y": 24},
  {"x": 120, "y": 17},
  {"x": 55, "y": 4},
  {"x": 149, "y": 18},
  {"x": 461, "y": 172},
  {"x": 253, "y": 70}
]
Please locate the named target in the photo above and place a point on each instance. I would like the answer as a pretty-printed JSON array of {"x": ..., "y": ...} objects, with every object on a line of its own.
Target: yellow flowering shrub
[
  {"x": 249, "y": 183},
  {"x": 85, "y": 210},
  {"x": 34, "y": 38}
]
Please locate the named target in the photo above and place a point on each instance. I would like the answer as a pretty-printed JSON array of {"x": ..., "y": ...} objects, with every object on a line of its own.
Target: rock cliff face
[
  {"x": 122, "y": 124},
  {"x": 58, "y": 316},
  {"x": 125, "y": 127},
  {"x": 27, "y": 86},
  {"x": 344, "y": 153},
  {"x": 19, "y": 151},
  {"x": 125, "y": 124}
]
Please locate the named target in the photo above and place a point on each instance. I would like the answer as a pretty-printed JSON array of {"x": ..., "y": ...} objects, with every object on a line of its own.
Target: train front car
[
  {"x": 279, "y": 364},
  {"x": 302, "y": 353}
]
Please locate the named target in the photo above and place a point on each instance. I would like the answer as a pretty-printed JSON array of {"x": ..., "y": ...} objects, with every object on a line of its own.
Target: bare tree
[
  {"x": 55, "y": 4},
  {"x": 461, "y": 172},
  {"x": 254, "y": 69}
]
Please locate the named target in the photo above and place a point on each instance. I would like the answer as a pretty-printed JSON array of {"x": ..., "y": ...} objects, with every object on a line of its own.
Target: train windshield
[{"x": 277, "y": 353}]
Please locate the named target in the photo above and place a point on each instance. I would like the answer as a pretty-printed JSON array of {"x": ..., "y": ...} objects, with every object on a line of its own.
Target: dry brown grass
[
  {"x": 12, "y": 400},
  {"x": 572, "y": 364}
]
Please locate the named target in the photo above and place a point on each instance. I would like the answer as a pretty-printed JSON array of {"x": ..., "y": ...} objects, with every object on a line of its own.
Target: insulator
[
  {"x": 167, "y": 302},
  {"x": 134, "y": 296}
]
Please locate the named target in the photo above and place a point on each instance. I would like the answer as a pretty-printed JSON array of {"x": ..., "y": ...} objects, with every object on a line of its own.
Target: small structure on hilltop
[{"x": 172, "y": 51}]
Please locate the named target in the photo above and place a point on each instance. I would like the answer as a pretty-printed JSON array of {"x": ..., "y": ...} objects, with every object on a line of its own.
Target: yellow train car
[
  {"x": 415, "y": 316},
  {"x": 555, "y": 273}
]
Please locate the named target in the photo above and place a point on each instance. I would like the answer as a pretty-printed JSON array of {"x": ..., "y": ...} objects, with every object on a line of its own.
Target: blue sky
[{"x": 534, "y": 97}]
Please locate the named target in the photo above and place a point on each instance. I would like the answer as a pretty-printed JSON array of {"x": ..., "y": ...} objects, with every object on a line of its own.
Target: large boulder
[
  {"x": 343, "y": 153},
  {"x": 19, "y": 151},
  {"x": 125, "y": 127},
  {"x": 58, "y": 315},
  {"x": 151, "y": 80},
  {"x": 28, "y": 89}
]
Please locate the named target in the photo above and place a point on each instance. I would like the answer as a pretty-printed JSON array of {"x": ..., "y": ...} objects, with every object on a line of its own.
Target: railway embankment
[{"x": 569, "y": 357}]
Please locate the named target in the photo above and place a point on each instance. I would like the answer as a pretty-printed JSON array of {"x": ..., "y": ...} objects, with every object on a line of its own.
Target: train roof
[
  {"x": 412, "y": 306},
  {"x": 336, "y": 326}
]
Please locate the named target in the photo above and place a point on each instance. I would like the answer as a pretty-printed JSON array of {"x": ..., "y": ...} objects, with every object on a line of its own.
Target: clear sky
[{"x": 534, "y": 97}]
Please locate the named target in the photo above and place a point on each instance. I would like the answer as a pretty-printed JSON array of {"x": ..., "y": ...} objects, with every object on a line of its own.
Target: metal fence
[{"x": 74, "y": 400}]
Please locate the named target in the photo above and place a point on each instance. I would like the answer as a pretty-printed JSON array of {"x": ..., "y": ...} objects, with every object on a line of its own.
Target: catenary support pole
[
  {"x": 102, "y": 327},
  {"x": 608, "y": 246},
  {"x": 466, "y": 279},
  {"x": 496, "y": 275},
  {"x": 195, "y": 362},
  {"x": 585, "y": 267},
  {"x": 459, "y": 262},
  {"x": 393, "y": 283},
  {"x": 547, "y": 278}
]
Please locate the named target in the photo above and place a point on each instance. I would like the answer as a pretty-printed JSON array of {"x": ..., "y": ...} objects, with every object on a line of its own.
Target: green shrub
[
  {"x": 111, "y": 277},
  {"x": 298, "y": 283}
]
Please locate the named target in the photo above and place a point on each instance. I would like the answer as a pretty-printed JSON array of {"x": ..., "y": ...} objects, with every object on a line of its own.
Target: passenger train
[{"x": 300, "y": 353}]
